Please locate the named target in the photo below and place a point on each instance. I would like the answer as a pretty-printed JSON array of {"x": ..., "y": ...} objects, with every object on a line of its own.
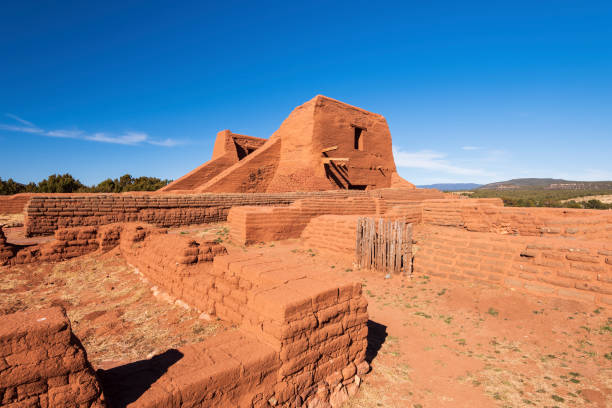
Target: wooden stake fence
[{"x": 386, "y": 247}]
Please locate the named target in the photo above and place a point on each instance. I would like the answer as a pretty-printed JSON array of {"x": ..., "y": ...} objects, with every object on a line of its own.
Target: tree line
[{"x": 65, "y": 183}]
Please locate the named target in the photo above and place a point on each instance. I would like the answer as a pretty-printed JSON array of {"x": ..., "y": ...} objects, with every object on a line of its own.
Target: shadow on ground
[
  {"x": 377, "y": 333},
  {"x": 124, "y": 384}
]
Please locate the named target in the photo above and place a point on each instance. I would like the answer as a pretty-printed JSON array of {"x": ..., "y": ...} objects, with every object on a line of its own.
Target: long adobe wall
[
  {"x": 570, "y": 268},
  {"x": 42, "y": 364},
  {"x": 485, "y": 217},
  {"x": 489, "y": 215},
  {"x": 47, "y": 212}
]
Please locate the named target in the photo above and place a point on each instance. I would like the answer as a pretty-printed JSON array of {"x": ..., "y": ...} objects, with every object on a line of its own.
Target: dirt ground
[
  {"x": 12, "y": 220},
  {"x": 448, "y": 344},
  {"x": 112, "y": 311},
  {"x": 432, "y": 343}
]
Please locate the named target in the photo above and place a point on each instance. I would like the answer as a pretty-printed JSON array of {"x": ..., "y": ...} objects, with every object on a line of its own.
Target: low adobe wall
[
  {"x": 232, "y": 369},
  {"x": 333, "y": 234},
  {"x": 314, "y": 322},
  {"x": 14, "y": 204},
  {"x": 68, "y": 243},
  {"x": 488, "y": 216},
  {"x": 249, "y": 225},
  {"x": 47, "y": 212},
  {"x": 42, "y": 364},
  {"x": 574, "y": 269}
]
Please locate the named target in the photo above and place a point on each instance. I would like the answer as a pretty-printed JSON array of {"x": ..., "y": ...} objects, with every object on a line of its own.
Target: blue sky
[{"x": 472, "y": 91}]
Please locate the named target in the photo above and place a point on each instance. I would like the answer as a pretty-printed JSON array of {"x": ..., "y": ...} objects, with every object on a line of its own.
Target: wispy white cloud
[
  {"x": 22, "y": 129},
  {"x": 166, "y": 142},
  {"x": 18, "y": 119},
  {"x": 126, "y": 138},
  {"x": 434, "y": 161},
  {"x": 69, "y": 134}
]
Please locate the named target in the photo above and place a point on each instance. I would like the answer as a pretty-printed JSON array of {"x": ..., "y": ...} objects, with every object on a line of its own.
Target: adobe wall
[
  {"x": 324, "y": 144},
  {"x": 232, "y": 369},
  {"x": 229, "y": 149},
  {"x": 570, "y": 268},
  {"x": 68, "y": 243},
  {"x": 332, "y": 234},
  {"x": 42, "y": 364},
  {"x": 313, "y": 323},
  {"x": 312, "y": 129},
  {"x": 486, "y": 216},
  {"x": 249, "y": 225},
  {"x": 251, "y": 175},
  {"x": 47, "y": 212},
  {"x": 14, "y": 204}
]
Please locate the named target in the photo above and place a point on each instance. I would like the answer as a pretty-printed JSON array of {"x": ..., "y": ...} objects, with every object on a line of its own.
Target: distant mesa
[
  {"x": 452, "y": 186},
  {"x": 524, "y": 183},
  {"x": 548, "y": 184}
]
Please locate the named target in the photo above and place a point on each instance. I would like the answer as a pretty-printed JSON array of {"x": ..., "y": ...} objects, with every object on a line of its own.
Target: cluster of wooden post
[{"x": 384, "y": 246}]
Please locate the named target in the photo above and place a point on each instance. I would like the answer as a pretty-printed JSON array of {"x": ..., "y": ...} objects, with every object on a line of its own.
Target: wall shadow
[
  {"x": 124, "y": 384},
  {"x": 377, "y": 334}
]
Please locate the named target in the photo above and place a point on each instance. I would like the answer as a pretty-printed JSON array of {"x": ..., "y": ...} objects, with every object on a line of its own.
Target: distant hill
[
  {"x": 547, "y": 184},
  {"x": 452, "y": 186}
]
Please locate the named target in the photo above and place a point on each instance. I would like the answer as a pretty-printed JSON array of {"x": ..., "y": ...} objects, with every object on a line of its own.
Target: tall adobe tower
[{"x": 324, "y": 144}]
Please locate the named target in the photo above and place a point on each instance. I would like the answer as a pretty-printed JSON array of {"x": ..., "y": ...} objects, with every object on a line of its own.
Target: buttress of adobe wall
[
  {"x": 201, "y": 174},
  {"x": 43, "y": 363},
  {"x": 229, "y": 149},
  {"x": 295, "y": 169},
  {"x": 573, "y": 269},
  {"x": 251, "y": 175}
]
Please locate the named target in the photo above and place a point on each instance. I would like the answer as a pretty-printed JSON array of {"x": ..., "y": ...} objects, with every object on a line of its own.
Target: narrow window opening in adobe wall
[
  {"x": 358, "y": 138},
  {"x": 242, "y": 152}
]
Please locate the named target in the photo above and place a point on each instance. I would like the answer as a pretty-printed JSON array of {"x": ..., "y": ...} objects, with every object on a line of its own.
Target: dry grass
[
  {"x": 452, "y": 344},
  {"x": 111, "y": 310},
  {"x": 604, "y": 198},
  {"x": 12, "y": 220}
]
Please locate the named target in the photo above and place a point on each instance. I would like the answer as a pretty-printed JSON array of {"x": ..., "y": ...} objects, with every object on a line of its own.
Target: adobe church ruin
[{"x": 324, "y": 144}]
